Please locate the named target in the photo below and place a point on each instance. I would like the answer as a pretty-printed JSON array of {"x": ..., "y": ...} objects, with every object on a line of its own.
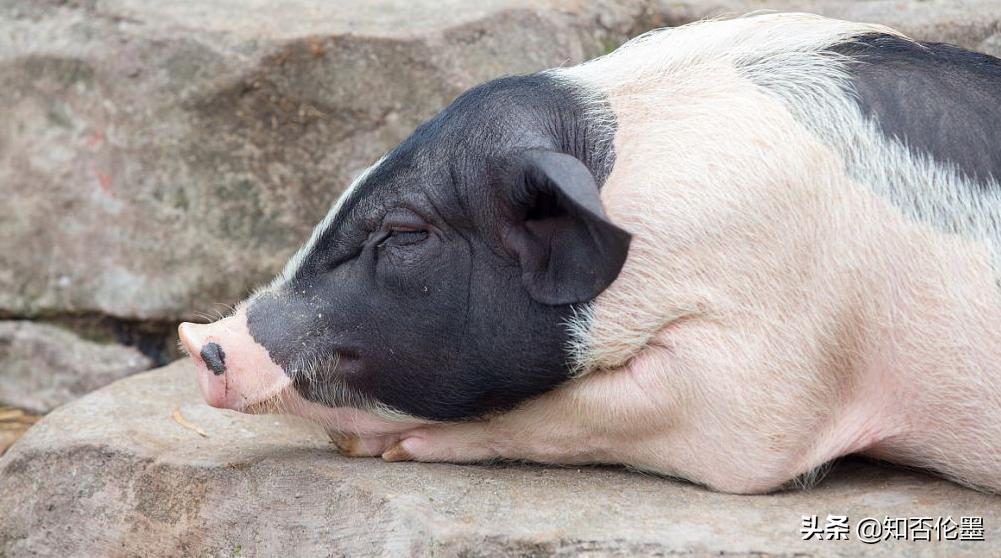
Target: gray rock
[
  {"x": 992, "y": 45},
  {"x": 43, "y": 366},
  {"x": 114, "y": 474},
  {"x": 967, "y": 23},
  {"x": 157, "y": 158}
]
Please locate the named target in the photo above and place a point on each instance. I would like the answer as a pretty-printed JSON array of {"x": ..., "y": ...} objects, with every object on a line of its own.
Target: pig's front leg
[
  {"x": 501, "y": 438},
  {"x": 570, "y": 426},
  {"x": 466, "y": 442},
  {"x": 556, "y": 428},
  {"x": 594, "y": 419},
  {"x": 454, "y": 443}
]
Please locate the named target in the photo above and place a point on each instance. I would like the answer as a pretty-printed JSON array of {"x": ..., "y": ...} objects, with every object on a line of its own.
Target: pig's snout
[
  {"x": 234, "y": 370},
  {"x": 214, "y": 357},
  {"x": 194, "y": 340}
]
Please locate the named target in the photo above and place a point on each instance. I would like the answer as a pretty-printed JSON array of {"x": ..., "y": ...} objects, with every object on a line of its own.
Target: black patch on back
[{"x": 940, "y": 99}]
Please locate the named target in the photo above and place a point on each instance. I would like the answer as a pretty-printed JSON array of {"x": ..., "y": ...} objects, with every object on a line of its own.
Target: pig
[{"x": 729, "y": 252}]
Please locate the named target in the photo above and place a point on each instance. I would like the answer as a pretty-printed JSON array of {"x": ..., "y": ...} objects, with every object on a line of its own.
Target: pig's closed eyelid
[
  {"x": 404, "y": 238},
  {"x": 404, "y": 220},
  {"x": 401, "y": 227}
]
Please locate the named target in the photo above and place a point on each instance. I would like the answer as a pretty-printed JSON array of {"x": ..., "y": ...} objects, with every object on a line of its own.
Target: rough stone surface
[
  {"x": 157, "y": 158},
  {"x": 972, "y": 24},
  {"x": 114, "y": 474},
  {"x": 43, "y": 366}
]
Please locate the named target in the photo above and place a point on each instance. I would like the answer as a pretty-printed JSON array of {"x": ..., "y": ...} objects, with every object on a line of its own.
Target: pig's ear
[{"x": 568, "y": 249}]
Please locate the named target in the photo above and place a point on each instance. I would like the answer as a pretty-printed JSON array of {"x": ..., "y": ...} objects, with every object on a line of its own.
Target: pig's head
[{"x": 441, "y": 283}]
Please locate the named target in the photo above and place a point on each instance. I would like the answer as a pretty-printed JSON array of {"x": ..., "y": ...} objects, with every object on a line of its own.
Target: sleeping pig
[{"x": 728, "y": 252}]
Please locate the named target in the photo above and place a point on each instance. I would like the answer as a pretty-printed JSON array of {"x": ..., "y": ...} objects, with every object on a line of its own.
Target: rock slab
[
  {"x": 143, "y": 467},
  {"x": 44, "y": 366},
  {"x": 157, "y": 158},
  {"x": 971, "y": 24}
]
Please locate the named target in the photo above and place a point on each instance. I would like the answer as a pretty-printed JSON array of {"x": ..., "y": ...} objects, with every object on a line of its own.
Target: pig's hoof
[
  {"x": 353, "y": 446},
  {"x": 397, "y": 452},
  {"x": 347, "y": 446}
]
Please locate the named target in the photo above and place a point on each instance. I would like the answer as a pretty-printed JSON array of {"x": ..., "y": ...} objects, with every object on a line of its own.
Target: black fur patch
[{"x": 939, "y": 99}]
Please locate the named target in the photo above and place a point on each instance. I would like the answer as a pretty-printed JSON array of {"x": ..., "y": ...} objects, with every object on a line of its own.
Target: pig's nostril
[{"x": 214, "y": 358}]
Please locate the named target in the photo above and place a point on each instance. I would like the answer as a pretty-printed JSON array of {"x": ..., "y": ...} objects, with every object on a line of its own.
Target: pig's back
[{"x": 940, "y": 100}]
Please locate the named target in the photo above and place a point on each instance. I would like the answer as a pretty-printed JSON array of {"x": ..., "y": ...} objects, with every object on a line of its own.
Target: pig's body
[
  {"x": 849, "y": 304},
  {"x": 813, "y": 271}
]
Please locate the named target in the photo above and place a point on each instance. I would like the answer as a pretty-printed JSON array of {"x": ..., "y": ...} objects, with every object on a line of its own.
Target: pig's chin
[
  {"x": 262, "y": 400},
  {"x": 275, "y": 405}
]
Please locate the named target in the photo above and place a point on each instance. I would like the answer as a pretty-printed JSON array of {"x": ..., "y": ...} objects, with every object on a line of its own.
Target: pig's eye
[
  {"x": 403, "y": 228},
  {"x": 404, "y": 237}
]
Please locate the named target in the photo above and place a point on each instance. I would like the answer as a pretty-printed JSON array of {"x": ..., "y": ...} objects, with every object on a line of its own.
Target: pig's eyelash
[{"x": 403, "y": 237}]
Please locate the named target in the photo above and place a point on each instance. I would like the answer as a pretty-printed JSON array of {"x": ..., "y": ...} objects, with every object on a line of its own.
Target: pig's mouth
[{"x": 271, "y": 406}]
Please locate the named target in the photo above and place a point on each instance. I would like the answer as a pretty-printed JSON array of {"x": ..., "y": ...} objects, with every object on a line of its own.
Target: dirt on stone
[{"x": 14, "y": 423}]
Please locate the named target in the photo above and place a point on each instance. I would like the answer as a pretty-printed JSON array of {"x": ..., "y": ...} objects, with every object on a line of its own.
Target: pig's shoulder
[{"x": 939, "y": 99}]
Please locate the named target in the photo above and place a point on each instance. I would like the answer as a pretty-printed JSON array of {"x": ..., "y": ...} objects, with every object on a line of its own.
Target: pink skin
[
  {"x": 253, "y": 383},
  {"x": 251, "y": 376}
]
